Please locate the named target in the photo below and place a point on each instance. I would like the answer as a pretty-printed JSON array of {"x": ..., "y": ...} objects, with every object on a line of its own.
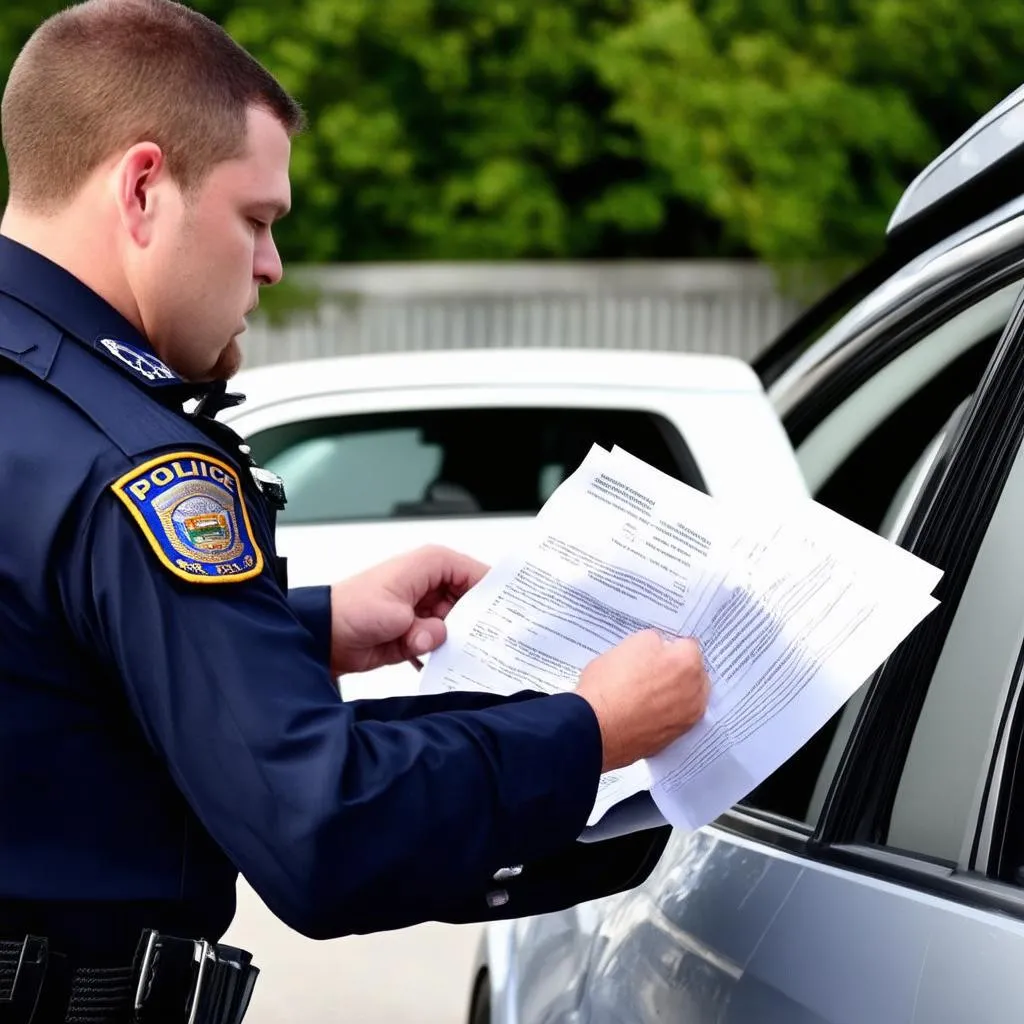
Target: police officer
[{"x": 169, "y": 710}]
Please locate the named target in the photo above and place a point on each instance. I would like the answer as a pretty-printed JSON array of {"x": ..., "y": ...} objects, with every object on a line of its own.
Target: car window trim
[
  {"x": 766, "y": 827},
  {"x": 681, "y": 450},
  {"x": 893, "y": 334},
  {"x": 953, "y": 260},
  {"x": 1005, "y": 782},
  {"x": 773, "y": 361},
  {"x": 977, "y": 462},
  {"x": 967, "y": 888},
  {"x": 910, "y": 870},
  {"x": 973, "y": 217}
]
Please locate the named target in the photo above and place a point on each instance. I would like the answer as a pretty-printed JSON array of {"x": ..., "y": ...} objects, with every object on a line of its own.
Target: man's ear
[{"x": 138, "y": 176}]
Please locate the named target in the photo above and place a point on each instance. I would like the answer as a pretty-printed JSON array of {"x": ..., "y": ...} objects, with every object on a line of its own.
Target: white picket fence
[{"x": 722, "y": 307}]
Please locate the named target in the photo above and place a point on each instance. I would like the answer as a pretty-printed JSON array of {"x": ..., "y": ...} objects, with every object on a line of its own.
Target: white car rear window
[{"x": 430, "y": 462}]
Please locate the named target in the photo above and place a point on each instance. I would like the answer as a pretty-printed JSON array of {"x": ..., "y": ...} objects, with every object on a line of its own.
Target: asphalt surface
[{"x": 416, "y": 976}]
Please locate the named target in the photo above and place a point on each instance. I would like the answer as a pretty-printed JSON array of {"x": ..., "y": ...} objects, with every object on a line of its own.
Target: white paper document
[{"x": 794, "y": 608}]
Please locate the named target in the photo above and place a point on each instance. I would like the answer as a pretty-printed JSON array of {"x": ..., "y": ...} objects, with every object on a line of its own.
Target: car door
[{"x": 895, "y": 890}]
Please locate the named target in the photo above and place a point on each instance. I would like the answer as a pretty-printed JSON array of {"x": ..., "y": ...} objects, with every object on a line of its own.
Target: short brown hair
[{"x": 103, "y": 75}]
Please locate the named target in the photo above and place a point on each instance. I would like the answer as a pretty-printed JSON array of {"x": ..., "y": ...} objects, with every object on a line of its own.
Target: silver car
[{"x": 878, "y": 875}]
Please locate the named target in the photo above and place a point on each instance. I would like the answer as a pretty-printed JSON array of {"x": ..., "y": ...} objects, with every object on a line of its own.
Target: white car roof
[{"x": 682, "y": 371}]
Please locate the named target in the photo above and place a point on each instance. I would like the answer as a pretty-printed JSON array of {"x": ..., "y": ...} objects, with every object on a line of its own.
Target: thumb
[{"x": 423, "y": 636}]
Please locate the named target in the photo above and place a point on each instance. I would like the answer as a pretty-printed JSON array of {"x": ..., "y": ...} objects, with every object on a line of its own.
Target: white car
[{"x": 380, "y": 454}]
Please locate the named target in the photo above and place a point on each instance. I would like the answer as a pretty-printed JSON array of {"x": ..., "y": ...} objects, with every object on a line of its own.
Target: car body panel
[{"x": 727, "y": 930}]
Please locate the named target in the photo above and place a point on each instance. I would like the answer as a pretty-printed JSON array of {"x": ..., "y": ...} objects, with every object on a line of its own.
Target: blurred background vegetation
[{"x": 779, "y": 130}]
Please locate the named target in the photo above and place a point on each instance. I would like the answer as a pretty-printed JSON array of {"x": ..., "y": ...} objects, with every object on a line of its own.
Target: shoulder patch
[{"x": 191, "y": 509}]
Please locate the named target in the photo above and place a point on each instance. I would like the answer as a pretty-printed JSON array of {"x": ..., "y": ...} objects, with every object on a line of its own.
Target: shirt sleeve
[
  {"x": 328, "y": 811},
  {"x": 312, "y": 607}
]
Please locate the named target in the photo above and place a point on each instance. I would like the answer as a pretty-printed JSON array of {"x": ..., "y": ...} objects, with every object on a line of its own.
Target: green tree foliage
[
  {"x": 455, "y": 128},
  {"x": 798, "y": 123},
  {"x": 783, "y": 129}
]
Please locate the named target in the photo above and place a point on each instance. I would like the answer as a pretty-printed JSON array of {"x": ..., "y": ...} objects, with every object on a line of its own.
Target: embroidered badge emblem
[
  {"x": 192, "y": 512},
  {"x": 142, "y": 363}
]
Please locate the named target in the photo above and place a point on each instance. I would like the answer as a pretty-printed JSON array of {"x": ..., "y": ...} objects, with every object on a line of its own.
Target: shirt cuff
[{"x": 554, "y": 768}]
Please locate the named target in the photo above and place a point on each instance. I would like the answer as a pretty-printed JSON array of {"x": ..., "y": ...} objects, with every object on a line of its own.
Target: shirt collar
[{"x": 60, "y": 297}]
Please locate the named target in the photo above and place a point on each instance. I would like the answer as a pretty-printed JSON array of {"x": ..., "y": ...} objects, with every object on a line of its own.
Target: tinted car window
[
  {"x": 881, "y": 432},
  {"x": 430, "y": 462},
  {"x": 855, "y": 459},
  {"x": 941, "y": 781},
  {"x": 940, "y": 786}
]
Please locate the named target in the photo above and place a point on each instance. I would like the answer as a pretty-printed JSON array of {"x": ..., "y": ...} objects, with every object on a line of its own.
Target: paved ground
[{"x": 417, "y": 976}]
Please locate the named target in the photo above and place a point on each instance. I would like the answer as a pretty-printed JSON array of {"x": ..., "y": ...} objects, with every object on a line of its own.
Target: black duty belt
[{"x": 171, "y": 981}]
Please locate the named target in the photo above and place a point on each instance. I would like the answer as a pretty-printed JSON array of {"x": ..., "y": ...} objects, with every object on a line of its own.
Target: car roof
[
  {"x": 968, "y": 165},
  {"x": 686, "y": 371}
]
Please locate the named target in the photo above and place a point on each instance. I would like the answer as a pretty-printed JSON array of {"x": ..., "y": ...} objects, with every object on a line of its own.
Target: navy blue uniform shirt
[{"x": 169, "y": 717}]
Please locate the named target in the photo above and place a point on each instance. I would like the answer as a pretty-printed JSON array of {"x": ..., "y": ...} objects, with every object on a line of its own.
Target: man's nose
[{"x": 267, "y": 268}]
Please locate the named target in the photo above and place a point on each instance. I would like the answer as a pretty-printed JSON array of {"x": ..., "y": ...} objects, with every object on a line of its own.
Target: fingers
[
  {"x": 451, "y": 570},
  {"x": 422, "y": 637},
  {"x": 688, "y": 651},
  {"x": 645, "y": 692},
  {"x": 437, "y": 605},
  {"x": 450, "y": 575}
]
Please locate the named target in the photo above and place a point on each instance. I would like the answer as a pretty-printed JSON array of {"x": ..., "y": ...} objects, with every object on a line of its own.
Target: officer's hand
[
  {"x": 396, "y": 610},
  {"x": 645, "y": 693}
]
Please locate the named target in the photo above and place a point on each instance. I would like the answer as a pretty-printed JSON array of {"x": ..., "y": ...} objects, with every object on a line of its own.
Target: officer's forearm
[
  {"x": 425, "y": 812},
  {"x": 400, "y": 709}
]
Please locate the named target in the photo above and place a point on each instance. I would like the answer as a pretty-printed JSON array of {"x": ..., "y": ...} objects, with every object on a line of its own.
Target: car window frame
[
  {"x": 946, "y": 528},
  {"x": 942, "y": 351},
  {"x": 1004, "y": 784},
  {"x": 920, "y": 326},
  {"x": 904, "y": 256},
  {"x": 895, "y": 331}
]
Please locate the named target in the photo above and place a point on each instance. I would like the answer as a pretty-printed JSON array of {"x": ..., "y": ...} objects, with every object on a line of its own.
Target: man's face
[{"x": 210, "y": 254}]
